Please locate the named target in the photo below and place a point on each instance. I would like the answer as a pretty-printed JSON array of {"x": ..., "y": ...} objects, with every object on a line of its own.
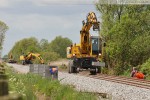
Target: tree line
[
  {"x": 49, "y": 51},
  {"x": 126, "y": 31}
]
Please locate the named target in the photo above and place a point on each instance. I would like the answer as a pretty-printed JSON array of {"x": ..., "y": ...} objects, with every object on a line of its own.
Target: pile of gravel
[{"x": 115, "y": 91}]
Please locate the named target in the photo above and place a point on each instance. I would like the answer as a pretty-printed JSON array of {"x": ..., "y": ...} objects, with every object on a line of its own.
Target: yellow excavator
[
  {"x": 27, "y": 59},
  {"x": 86, "y": 55}
]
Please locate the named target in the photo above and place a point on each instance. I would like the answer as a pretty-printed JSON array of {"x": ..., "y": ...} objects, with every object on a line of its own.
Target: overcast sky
[{"x": 43, "y": 19}]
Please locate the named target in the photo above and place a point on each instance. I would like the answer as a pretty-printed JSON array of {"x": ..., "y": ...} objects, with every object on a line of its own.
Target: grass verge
[{"x": 29, "y": 84}]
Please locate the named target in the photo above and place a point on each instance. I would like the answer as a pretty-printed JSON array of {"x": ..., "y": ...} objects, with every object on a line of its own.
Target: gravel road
[
  {"x": 115, "y": 91},
  {"x": 20, "y": 68}
]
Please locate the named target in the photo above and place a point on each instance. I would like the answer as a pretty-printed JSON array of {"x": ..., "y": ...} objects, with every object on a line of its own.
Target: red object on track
[{"x": 139, "y": 75}]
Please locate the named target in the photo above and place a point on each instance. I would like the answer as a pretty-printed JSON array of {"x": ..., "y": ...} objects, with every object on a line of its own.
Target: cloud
[
  {"x": 4, "y": 3},
  {"x": 65, "y": 2},
  {"x": 10, "y": 3},
  {"x": 35, "y": 22}
]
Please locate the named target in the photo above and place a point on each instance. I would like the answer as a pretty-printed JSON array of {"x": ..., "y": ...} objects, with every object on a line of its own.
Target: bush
[
  {"x": 50, "y": 56},
  {"x": 145, "y": 68},
  {"x": 18, "y": 84}
]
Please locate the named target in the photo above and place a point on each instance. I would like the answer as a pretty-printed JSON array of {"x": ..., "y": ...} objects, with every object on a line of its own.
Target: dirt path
[
  {"x": 20, "y": 68},
  {"x": 60, "y": 62},
  {"x": 25, "y": 68}
]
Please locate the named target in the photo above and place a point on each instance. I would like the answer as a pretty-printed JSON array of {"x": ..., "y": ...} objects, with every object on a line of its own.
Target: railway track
[
  {"x": 117, "y": 79},
  {"x": 141, "y": 83}
]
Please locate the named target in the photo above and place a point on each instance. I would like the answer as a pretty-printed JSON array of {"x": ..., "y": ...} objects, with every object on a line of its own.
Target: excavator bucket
[{"x": 96, "y": 27}]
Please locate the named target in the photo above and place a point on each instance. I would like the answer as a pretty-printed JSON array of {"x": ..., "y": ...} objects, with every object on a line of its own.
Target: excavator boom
[{"x": 85, "y": 42}]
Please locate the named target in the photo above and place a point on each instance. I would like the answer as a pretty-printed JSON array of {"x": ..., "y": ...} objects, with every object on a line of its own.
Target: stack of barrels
[{"x": 4, "y": 92}]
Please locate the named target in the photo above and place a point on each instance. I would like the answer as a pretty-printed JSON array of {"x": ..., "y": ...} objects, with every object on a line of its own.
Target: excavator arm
[
  {"x": 39, "y": 57},
  {"x": 84, "y": 33},
  {"x": 29, "y": 57}
]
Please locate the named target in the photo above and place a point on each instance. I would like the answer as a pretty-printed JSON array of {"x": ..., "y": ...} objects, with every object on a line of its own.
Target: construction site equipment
[
  {"x": 86, "y": 54},
  {"x": 11, "y": 59},
  {"x": 27, "y": 59}
]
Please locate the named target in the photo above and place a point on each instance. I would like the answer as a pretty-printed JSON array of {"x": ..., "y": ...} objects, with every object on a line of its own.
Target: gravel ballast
[{"x": 115, "y": 91}]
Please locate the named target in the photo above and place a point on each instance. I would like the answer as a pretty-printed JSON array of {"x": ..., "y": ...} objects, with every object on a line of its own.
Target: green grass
[
  {"x": 126, "y": 73},
  {"x": 28, "y": 84},
  {"x": 18, "y": 84}
]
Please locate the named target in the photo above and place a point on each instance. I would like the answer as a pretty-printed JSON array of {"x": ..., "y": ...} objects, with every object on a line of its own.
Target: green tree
[
  {"x": 3, "y": 29},
  {"x": 110, "y": 15},
  {"x": 44, "y": 45},
  {"x": 125, "y": 33},
  {"x": 50, "y": 56},
  {"x": 49, "y": 51},
  {"x": 59, "y": 45},
  {"x": 24, "y": 46},
  {"x": 145, "y": 68}
]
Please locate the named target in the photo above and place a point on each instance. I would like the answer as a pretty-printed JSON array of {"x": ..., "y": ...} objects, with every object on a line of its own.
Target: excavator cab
[{"x": 96, "y": 45}]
